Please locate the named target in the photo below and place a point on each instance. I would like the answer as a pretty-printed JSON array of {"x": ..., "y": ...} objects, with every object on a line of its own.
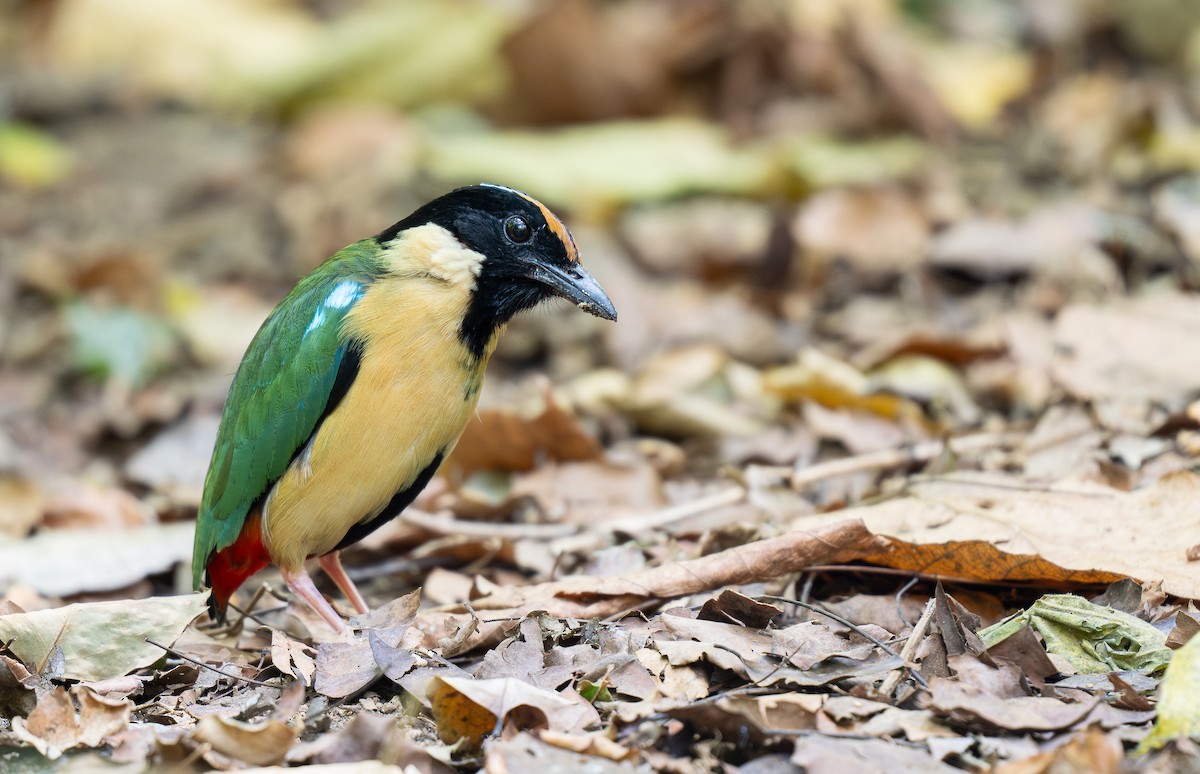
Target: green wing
[{"x": 297, "y": 362}]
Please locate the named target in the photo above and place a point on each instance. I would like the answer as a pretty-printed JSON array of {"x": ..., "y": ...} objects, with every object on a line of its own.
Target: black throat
[{"x": 494, "y": 301}]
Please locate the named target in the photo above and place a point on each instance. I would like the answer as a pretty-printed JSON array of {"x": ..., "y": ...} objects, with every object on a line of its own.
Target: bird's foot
[
  {"x": 301, "y": 584},
  {"x": 332, "y": 564}
]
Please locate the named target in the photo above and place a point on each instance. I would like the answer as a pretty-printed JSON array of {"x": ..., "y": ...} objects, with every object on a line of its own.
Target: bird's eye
[{"x": 517, "y": 229}]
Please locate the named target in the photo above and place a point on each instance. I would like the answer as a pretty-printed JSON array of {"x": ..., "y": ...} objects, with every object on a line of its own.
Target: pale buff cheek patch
[
  {"x": 456, "y": 265},
  {"x": 433, "y": 249}
]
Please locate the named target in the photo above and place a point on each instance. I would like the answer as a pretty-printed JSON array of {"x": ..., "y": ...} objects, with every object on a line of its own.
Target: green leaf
[
  {"x": 825, "y": 162},
  {"x": 594, "y": 692},
  {"x": 1178, "y": 699},
  {"x": 99, "y": 640},
  {"x": 30, "y": 158},
  {"x": 118, "y": 343},
  {"x": 1093, "y": 638},
  {"x": 610, "y": 163}
]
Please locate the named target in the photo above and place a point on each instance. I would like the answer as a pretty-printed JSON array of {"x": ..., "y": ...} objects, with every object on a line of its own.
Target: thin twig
[
  {"x": 892, "y": 681},
  {"x": 960, "y": 478},
  {"x": 894, "y": 458},
  {"x": 209, "y": 667},
  {"x": 844, "y": 622},
  {"x": 731, "y": 496},
  {"x": 806, "y": 591},
  {"x": 900, "y": 598},
  {"x": 447, "y": 525}
]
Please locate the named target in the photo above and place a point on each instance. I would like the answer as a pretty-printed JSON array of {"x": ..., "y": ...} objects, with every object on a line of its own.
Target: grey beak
[{"x": 577, "y": 286}]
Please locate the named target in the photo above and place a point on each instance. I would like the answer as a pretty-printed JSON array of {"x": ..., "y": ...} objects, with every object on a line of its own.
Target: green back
[{"x": 279, "y": 394}]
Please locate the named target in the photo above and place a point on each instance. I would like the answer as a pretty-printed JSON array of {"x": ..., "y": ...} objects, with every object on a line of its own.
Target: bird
[{"x": 359, "y": 383}]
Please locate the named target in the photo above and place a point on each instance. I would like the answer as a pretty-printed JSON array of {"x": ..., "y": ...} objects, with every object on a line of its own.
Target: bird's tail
[{"x": 229, "y": 568}]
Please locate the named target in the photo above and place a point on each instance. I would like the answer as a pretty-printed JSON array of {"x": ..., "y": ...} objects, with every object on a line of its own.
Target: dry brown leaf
[
  {"x": 963, "y": 703},
  {"x": 732, "y": 607},
  {"x": 55, "y": 725},
  {"x": 839, "y": 386},
  {"x": 175, "y": 462},
  {"x": 84, "y": 505},
  {"x": 443, "y": 587},
  {"x": 368, "y": 143},
  {"x": 262, "y": 744},
  {"x": 689, "y": 236},
  {"x": 592, "y": 492},
  {"x": 292, "y": 658},
  {"x": 1059, "y": 242},
  {"x": 594, "y": 744},
  {"x": 470, "y": 709},
  {"x": 1137, "y": 348},
  {"x": 524, "y": 752},
  {"x": 1089, "y": 752},
  {"x": 349, "y": 664},
  {"x": 755, "y": 716},
  {"x": 1063, "y": 444},
  {"x": 355, "y": 767},
  {"x": 806, "y": 644},
  {"x": 218, "y": 323},
  {"x": 833, "y": 755},
  {"x": 506, "y": 440},
  {"x": 1001, "y": 528},
  {"x": 344, "y": 667},
  {"x": 879, "y": 230},
  {"x": 696, "y": 390},
  {"x": 21, "y": 504},
  {"x": 576, "y": 62},
  {"x": 727, "y": 646},
  {"x": 17, "y": 695},
  {"x": 862, "y": 717},
  {"x": 72, "y": 561}
]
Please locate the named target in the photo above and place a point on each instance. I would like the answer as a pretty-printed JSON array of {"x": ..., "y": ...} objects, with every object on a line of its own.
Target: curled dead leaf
[
  {"x": 506, "y": 440},
  {"x": 262, "y": 744},
  {"x": 63, "y": 721},
  {"x": 470, "y": 709}
]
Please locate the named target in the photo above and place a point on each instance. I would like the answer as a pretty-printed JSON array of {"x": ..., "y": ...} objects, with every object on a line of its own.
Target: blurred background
[{"x": 829, "y": 227}]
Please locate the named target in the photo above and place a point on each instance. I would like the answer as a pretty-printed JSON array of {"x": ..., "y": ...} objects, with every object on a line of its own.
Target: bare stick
[
  {"x": 892, "y": 681},
  {"x": 731, "y": 496},
  {"x": 894, "y": 458},
  {"x": 211, "y": 668},
  {"x": 589, "y": 597},
  {"x": 446, "y": 525}
]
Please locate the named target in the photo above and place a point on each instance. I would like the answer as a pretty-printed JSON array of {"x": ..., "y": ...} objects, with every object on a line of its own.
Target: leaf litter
[{"x": 889, "y": 465}]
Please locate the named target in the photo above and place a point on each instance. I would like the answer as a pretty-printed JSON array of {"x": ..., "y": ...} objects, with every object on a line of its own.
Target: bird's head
[{"x": 523, "y": 256}]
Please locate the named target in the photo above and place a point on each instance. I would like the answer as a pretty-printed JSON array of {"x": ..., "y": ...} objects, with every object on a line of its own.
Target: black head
[{"x": 529, "y": 256}]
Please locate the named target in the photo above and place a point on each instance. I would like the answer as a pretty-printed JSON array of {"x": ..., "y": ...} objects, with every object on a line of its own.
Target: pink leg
[
  {"x": 332, "y": 564},
  {"x": 301, "y": 584}
]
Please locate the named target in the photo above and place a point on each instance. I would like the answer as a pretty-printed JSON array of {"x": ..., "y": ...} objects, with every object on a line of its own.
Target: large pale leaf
[
  {"x": 1000, "y": 528},
  {"x": 99, "y": 640},
  {"x": 63, "y": 562},
  {"x": 616, "y": 162}
]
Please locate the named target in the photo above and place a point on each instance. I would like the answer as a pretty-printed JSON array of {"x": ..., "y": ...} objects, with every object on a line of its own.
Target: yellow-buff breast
[{"x": 415, "y": 389}]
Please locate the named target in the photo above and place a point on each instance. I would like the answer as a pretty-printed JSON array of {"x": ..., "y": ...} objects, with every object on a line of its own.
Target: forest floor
[{"x": 888, "y": 464}]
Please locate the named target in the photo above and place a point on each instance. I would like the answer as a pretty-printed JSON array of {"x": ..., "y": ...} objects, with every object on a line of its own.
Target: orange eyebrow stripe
[{"x": 557, "y": 227}]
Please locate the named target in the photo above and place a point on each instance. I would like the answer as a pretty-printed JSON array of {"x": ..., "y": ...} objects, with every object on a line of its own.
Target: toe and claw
[{"x": 301, "y": 584}]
